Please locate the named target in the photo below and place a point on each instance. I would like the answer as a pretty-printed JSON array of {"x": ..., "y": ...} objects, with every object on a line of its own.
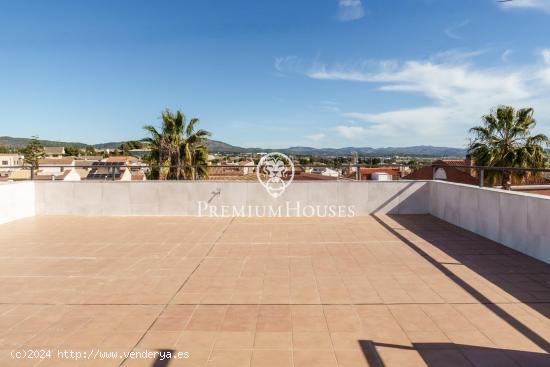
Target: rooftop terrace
[{"x": 404, "y": 290}]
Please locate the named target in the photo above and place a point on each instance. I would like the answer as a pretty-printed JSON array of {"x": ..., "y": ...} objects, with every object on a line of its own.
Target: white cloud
[
  {"x": 545, "y": 71},
  {"x": 451, "y": 31},
  {"x": 349, "y": 10},
  {"x": 329, "y": 106},
  {"x": 506, "y": 55},
  {"x": 284, "y": 63},
  {"x": 458, "y": 95},
  {"x": 456, "y": 56},
  {"x": 530, "y": 4},
  {"x": 352, "y": 132},
  {"x": 316, "y": 137},
  {"x": 443, "y": 82}
]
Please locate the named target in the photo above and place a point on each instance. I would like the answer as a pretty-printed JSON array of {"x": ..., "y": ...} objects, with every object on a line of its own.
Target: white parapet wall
[
  {"x": 17, "y": 200},
  {"x": 219, "y": 198},
  {"x": 518, "y": 220}
]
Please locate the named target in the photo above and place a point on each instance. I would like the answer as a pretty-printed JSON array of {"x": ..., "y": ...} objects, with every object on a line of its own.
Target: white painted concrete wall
[
  {"x": 17, "y": 200},
  {"x": 518, "y": 220},
  {"x": 181, "y": 198}
]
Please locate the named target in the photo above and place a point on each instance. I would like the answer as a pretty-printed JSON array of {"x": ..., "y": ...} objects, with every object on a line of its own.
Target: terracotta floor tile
[
  {"x": 159, "y": 339},
  {"x": 342, "y": 318},
  {"x": 272, "y": 291},
  {"x": 240, "y": 318},
  {"x": 121, "y": 339},
  {"x": 235, "y": 340},
  {"x": 308, "y": 318},
  {"x": 311, "y": 340},
  {"x": 395, "y": 356},
  {"x": 488, "y": 357},
  {"x": 274, "y": 318},
  {"x": 346, "y": 340},
  {"x": 314, "y": 358},
  {"x": 207, "y": 318},
  {"x": 412, "y": 318},
  {"x": 445, "y": 358},
  {"x": 230, "y": 358},
  {"x": 196, "y": 340},
  {"x": 271, "y": 358},
  {"x": 472, "y": 338},
  {"x": 349, "y": 358},
  {"x": 273, "y": 340}
]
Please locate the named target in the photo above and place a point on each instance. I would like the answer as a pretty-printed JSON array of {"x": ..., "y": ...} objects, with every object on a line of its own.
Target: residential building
[
  {"x": 117, "y": 169},
  {"x": 66, "y": 175},
  {"x": 114, "y": 171},
  {"x": 446, "y": 170},
  {"x": 374, "y": 173},
  {"x": 84, "y": 164},
  {"x": 8, "y": 161},
  {"x": 235, "y": 170},
  {"x": 54, "y": 152},
  {"x": 324, "y": 171},
  {"x": 62, "y": 169},
  {"x": 55, "y": 165}
]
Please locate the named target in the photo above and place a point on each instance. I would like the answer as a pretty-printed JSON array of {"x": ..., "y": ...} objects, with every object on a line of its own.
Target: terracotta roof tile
[
  {"x": 56, "y": 161},
  {"x": 453, "y": 175}
]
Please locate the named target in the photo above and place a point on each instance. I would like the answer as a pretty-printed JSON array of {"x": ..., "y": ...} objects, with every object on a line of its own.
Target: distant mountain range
[{"x": 215, "y": 146}]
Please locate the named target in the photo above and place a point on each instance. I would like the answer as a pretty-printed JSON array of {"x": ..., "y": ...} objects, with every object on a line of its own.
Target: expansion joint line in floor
[{"x": 181, "y": 287}]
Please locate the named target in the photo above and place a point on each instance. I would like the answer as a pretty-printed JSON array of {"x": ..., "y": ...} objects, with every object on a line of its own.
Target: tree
[
  {"x": 89, "y": 150},
  {"x": 129, "y": 145},
  {"x": 4, "y": 149},
  {"x": 177, "y": 150},
  {"x": 33, "y": 152},
  {"x": 505, "y": 140},
  {"x": 72, "y": 150},
  {"x": 373, "y": 161}
]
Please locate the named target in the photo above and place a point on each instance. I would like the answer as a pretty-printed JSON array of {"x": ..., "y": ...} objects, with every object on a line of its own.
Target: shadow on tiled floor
[
  {"x": 449, "y": 355},
  {"x": 477, "y": 260}
]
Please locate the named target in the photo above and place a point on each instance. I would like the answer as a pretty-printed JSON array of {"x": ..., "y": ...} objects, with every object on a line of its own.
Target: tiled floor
[{"x": 378, "y": 291}]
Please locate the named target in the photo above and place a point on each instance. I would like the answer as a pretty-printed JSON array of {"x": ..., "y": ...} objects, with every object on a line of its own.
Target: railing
[
  {"x": 482, "y": 170},
  {"x": 108, "y": 171},
  {"x": 111, "y": 170}
]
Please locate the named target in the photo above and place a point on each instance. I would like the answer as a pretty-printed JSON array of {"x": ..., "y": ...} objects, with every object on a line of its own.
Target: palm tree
[
  {"x": 505, "y": 140},
  {"x": 177, "y": 150},
  {"x": 194, "y": 152},
  {"x": 155, "y": 158}
]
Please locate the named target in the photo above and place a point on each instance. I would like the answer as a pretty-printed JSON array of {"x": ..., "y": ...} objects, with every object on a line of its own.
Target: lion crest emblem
[{"x": 275, "y": 171}]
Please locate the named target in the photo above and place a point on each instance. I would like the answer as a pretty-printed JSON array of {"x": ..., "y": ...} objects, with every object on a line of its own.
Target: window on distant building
[{"x": 4, "y": 163}]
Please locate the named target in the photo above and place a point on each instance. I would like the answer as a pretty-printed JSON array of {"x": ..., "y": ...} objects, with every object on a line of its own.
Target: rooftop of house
[
  {"x": 398, "y": 290},
  {"x": 452, "y": 174},
  {"x": 118, "y": 159},
  {"x": 90, "y": 157},
  {"x": 54, "y": 150},
  {"x": 51, "y": 177},
  {"x": 65, "y": 161},
  {"x": 454, "y": 162},
  {"x": 20, "y": 175},
  {"x": 138, "y": 176}
]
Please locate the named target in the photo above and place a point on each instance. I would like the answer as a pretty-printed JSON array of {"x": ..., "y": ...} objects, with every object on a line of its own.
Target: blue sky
[{"x": 323, "y": 73}]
